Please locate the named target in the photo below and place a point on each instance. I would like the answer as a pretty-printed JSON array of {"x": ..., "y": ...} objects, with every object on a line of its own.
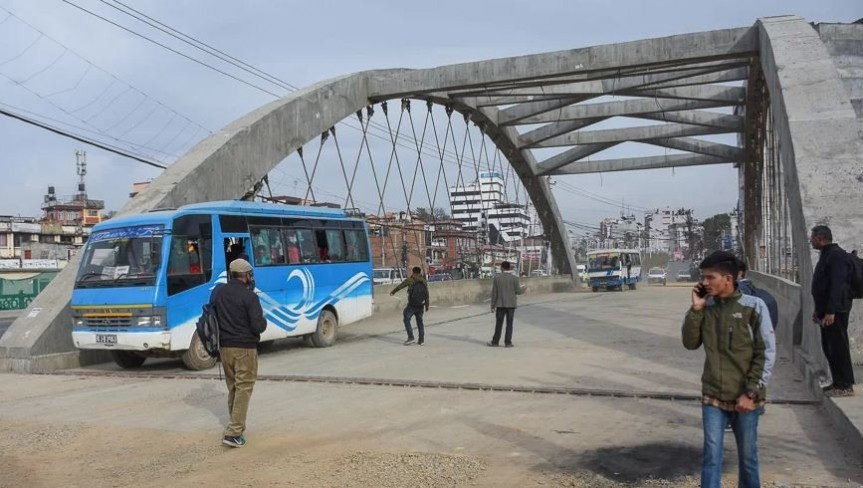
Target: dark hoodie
[{"x": 241, "y": 318}]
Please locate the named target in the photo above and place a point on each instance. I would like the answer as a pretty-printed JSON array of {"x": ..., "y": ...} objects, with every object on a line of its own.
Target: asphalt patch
[{"x": 637, "y": 464}]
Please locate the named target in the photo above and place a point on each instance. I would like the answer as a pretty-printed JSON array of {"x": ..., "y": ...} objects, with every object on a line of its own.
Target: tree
[
  {"x": 714, "y": 228},
  {"x": 423, "y": 214}
]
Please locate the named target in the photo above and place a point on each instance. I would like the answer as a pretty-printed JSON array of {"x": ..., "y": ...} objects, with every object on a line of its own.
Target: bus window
[
  {"x": 357, "y": 245},
  {"x": 292, "y": 246},
  {"x": 268, "y": 246},
  {"x": 335, "y": 245},
  {"x": 323, "y": 246},
  {"x": 190, "y": 259},
  {"x": 308, "y": 246}
]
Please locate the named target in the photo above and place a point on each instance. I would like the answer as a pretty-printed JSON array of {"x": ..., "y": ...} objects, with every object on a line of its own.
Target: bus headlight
[{"x": 150, "y": 321}]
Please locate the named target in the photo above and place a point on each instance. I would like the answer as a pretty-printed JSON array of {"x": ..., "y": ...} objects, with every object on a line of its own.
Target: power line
[
  {"x": 78, "y": 138},
  {"x": 218, "y": 54},
  {"x": 94, "y": 14},
  {"x": 90, "y": 66}
]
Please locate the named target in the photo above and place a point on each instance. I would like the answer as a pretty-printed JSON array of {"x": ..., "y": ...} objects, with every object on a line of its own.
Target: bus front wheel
[
  {"x": 325, "y": 335},
  {"x": 128, "y": 359},
  {"x": 196, "y": 357}
]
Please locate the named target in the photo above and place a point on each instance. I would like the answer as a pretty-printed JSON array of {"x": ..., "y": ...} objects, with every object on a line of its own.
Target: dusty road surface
[{"x": 604, "y": 399}]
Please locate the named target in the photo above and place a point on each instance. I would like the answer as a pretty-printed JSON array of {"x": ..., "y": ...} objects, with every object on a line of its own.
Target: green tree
[{"x": 714, "y": 227}]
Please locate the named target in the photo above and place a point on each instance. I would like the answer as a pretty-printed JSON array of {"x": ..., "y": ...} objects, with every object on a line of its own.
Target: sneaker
[
  {"x": 829, "y": 387},
  {"x": 238, "y": 441},
  {"x": 728, "y": 427},
  {"x": 840, "y": 392},
  {"x": 421, "y": 343},
  {"x": 510, "y": 345},
  {"x": 409, "y": 342},
  {"x": 491, "y": 344}
]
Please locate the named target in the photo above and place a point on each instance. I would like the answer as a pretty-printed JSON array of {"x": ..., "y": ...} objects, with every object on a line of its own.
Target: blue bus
[{"x": 143, "y": 279}]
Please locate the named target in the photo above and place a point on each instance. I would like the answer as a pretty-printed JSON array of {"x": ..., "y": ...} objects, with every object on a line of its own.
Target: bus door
[
  {"x": 189, "y": 275},
  {"x": 234, "y": 246},
  {"x": 269, "y": 262}
]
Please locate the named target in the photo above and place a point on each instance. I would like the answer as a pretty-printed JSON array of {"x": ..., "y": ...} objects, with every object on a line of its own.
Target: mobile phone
[{"x": 700, "y": 290}]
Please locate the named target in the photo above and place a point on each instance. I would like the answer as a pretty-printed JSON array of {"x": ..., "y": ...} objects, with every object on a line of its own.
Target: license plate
[{"x": 106, "y": 338}]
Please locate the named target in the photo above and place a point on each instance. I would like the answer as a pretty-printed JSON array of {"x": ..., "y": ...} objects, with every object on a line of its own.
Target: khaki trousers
[{"x": 241, "y": 371}]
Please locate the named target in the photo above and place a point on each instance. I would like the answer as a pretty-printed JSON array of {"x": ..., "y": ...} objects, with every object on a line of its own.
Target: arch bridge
[{"x": 789, "y": 93}]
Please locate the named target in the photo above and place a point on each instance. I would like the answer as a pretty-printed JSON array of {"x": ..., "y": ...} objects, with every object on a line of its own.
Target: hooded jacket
[{"x": 738, "y": 342}]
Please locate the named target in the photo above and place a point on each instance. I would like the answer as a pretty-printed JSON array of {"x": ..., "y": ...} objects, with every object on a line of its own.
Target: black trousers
[
  {"x": 834, "y": 342},
  {"x": 411, "y": 311},
  {"x": 500, "y": 314}
]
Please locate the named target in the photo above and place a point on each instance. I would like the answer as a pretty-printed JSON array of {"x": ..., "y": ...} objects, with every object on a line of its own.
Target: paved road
[{"x": 318, "y": 434}]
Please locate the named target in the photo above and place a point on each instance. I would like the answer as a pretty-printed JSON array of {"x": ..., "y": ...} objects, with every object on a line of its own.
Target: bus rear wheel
[
  {"x": 196, "y": 357},
  {"x": 325, "y": 335},
  {"x": 128, "y": 359}
]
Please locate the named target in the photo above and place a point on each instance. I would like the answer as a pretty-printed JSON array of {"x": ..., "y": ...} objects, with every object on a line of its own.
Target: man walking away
[
  {"x": 418, "y": 301},
  {"x": 504, "y": 289},
  {"x": 241, "y": 322},
  {"x": 746, "y": 287},
  {"x": 740, "y": 350},
  {"x": 832, "y": 295}
]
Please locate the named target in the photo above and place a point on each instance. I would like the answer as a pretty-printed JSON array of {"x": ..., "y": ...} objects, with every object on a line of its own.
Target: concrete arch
[
  {"x": 821, "y": 150},
  {"x": 228, "y": 163}
]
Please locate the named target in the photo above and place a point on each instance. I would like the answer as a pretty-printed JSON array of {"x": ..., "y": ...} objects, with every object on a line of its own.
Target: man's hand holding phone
[{"x": 699, "y": 296}]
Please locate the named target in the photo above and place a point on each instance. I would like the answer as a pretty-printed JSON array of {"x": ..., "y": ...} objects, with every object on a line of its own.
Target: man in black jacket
[
  {"x": 831, "y": 293},
  {"x": 241, "y": 322}
]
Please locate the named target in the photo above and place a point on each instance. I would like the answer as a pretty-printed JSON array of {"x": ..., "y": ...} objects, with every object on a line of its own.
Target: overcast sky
[{"x": 302, "y": 43}]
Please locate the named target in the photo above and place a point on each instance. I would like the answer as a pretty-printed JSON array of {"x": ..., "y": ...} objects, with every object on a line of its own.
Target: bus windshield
[
  {"x": 128, "y": 256},
  {"x": 607, "y": 260}
]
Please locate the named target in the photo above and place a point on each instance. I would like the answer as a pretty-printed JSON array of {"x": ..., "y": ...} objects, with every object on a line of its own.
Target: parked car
[
  {"x": 440, "y": 277},
  {"x": 656, "y": 275},
  {"x": 684, "y": 275},
  {"x": 388, "y": 276},
  {"x": 538, "y": 272}
]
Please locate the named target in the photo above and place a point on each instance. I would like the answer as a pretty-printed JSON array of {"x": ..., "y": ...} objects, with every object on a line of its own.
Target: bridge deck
[{"x": 344, "y": 434}]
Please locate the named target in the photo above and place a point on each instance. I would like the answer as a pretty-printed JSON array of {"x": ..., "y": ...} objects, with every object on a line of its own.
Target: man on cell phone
[{"x": 740, "y": 350}]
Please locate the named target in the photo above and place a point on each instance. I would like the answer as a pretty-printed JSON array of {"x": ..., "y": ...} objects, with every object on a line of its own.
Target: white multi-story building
[
  {"x": 482, "y": 207},
  {"x": 666, "y": 229}
]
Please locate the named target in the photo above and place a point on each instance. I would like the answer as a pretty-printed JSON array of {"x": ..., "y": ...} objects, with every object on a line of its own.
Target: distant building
[
  {"x": 451, "y": 246},
  {"x": 78, "y": 210},
  {"x": 138, "y": 188},
  {"x": 482, "y": 207},
  {"x": 397, "y": 241}
]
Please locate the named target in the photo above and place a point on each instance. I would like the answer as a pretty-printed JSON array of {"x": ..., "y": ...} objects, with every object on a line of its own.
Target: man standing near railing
[{"x": 832, "y": 295}]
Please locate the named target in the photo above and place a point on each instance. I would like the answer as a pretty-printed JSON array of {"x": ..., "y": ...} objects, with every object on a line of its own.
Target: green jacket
[
  {"x": 738, "y": 342},
  {"x": 409, "y": 283}
]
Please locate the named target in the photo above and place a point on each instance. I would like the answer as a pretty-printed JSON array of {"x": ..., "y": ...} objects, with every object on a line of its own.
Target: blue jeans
[{"x": 745, "y": 427}]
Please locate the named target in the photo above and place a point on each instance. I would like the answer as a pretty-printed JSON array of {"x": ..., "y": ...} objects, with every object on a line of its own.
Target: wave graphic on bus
[{"x": 287, "y": 316}]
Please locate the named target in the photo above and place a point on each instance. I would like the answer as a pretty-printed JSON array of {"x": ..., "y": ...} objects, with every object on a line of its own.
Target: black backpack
[
  {"x": 417, "y": 294},
  {"x": 208, "y": 326},
  {"x": 855, "y": 281},
  {"x": 208, "y": 330}
]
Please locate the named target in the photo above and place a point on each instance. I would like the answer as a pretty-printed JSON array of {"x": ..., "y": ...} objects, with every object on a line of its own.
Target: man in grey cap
[{"x": 241, "y": 322}]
